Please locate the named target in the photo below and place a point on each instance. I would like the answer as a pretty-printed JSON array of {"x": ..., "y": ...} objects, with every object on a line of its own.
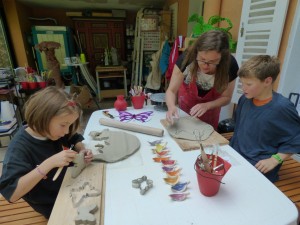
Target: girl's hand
[
  {"x": 199, "y": 109},
  {"x": 88, "y": 155},
  {"x": 266, "y": 165},
  {"x": 62, "y": 158}
]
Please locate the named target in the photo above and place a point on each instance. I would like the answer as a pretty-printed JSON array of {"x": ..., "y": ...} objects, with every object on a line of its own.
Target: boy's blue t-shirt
[{"x": 261, "y": 131}]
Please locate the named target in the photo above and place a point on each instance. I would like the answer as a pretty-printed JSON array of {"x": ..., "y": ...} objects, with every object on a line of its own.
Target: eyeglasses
[{"x": 201, "y": 62}]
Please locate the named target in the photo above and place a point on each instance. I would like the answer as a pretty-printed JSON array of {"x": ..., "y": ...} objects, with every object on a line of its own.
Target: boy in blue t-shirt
[{"x": 267, "y": 129}]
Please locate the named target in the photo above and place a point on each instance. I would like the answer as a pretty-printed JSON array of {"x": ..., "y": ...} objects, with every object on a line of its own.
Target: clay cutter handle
[{"x": 60, "y": 169}]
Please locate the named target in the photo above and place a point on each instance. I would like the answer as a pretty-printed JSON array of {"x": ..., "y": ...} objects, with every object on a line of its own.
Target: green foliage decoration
[{"x": 201, "y": 27}]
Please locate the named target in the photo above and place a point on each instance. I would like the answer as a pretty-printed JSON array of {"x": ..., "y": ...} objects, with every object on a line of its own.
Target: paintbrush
[{"x": 204, "y": 158}]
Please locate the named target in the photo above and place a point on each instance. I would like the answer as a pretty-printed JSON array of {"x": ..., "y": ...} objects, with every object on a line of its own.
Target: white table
[{"x": 246, "y": 198}]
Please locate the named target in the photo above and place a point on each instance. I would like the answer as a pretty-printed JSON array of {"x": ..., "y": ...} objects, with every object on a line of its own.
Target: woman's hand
[
  {"x": 266, "y": 165},
  {"x": 171, "y": 114},
  {"x": 199, "y": 109}
]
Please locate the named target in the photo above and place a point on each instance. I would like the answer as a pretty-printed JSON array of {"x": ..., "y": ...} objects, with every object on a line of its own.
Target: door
[
  {"x": 97, "y": 35},
  {"x": 261, "y": 28}
]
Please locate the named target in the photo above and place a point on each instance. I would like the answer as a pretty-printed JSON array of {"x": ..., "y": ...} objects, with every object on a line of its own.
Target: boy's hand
[{"x": 266, "y": 165}]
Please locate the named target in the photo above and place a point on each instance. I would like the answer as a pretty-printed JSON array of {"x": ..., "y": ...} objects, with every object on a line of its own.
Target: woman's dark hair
[{"x": 214, "y": 40}]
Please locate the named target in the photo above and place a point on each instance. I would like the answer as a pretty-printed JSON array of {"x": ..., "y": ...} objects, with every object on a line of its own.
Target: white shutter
[{"x": 261, "y": 28}]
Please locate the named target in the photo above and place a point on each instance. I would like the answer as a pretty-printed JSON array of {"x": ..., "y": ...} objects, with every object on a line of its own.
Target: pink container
[
  {"x": 32, "y": 85},
  {"x": 42, "y": 84},
  {"x": 138, "y": 101},
  {"x": 24, "y": 85},
  {"x": 209, "y": 183}
]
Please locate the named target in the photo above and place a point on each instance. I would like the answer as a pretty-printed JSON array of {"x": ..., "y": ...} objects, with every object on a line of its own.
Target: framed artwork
[{"x": 100, "y": 41}]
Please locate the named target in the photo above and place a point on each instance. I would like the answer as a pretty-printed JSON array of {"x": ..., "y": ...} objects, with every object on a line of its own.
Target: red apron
[{"x": 188, "y": 97}]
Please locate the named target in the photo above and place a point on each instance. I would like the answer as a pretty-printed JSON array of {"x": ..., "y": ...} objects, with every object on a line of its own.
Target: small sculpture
[
  {"x": 160, "y": 159},
  {"x": 162, "y": 153},
  {"x": 48, "y": 47},
  {"x": 85, "y": 215},
  {"x": 156, "y": 142},
  {"x": 179, "y": 187},
  {"x": 79, "y": 165},
  {"x": 173, "y": 172},
  {"x": 172, "y": 180},
  {"x": 168, "y": 168},
  {"x": 168, "y": 162},
  {"x": 179, "y": 196}
]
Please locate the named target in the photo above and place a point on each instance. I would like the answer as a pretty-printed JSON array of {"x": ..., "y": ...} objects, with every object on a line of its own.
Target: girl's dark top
[{"x": 24, "y": 154}]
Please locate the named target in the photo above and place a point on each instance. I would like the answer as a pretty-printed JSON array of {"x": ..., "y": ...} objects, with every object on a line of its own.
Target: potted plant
[{"x": 201, "y": 27}]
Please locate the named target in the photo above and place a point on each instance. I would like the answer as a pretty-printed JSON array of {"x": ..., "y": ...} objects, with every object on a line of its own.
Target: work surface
[{"x": 245, "y": 198}]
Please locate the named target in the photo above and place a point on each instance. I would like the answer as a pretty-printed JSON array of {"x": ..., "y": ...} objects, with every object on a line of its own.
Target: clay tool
[
  {"x": 204, "y": 157},
  {"x": 106, "y": 113},
  {"x": 215, "y": 157},
  {"x": 60, "y": 168}
]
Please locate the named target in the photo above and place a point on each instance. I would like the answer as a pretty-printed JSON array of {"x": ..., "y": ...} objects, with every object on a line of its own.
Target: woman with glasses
[{"x": 203, "y": 79}]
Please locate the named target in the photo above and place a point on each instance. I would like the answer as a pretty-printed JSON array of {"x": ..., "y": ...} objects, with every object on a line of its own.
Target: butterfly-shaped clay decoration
[
  {"x": 159, "y": 159},
  {"x": 168, "y": 162},
  {"x": 168, "y": 168},
  {"x": 159, "y": 147},
  {"x": 162, "y": 153},
  {"x": 179, "y": 196},
  {"x": 179, "y": 187},
  {"x": 156, "y": 142},
  {"x": 172, "y": 180},
  {"x": 174, "y": 172},
  {"x": 142, "y": 117}
]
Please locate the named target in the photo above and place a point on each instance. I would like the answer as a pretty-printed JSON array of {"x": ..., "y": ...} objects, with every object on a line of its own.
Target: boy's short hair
[
  {"x": 47, "y": 103},
  {"x": 261, "y": 67}
]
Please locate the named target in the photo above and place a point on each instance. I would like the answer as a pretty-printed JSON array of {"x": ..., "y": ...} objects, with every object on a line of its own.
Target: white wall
[
  {"x": 290, "y": 74},
  {"x": 195, "y": 6}
]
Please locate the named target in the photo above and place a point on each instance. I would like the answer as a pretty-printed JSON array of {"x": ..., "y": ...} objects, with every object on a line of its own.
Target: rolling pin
[{"x": 132, "y": 127}]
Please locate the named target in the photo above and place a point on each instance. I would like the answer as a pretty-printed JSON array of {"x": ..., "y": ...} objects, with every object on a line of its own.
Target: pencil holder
[
  {"x": 138, "y": 101},
  {"x": 209, "y": 183}
]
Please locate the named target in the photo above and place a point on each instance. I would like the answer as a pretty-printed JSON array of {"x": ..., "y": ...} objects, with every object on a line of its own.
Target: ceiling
[{"x": 95, "y": 4}]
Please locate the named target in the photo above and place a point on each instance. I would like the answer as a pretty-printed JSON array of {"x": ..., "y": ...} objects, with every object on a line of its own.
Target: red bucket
[
  {"x": 138, "y": 101},
  {"x": 42, "y": 84},
  {"x": 209, "y": 183},
  {"x": 24, "y": 85}
]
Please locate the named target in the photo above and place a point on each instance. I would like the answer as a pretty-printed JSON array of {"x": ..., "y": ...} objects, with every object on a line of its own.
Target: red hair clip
[{"x": 71, "y": 103}]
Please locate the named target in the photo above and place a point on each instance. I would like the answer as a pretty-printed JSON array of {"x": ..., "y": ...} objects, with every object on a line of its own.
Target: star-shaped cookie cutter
[{"x": 137, "y": 183}]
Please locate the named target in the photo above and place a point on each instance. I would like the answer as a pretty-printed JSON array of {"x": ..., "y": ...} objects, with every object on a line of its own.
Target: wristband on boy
[{"x": 278, "y": 158}]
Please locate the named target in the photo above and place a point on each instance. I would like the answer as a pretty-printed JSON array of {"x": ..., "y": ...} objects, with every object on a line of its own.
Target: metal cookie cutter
[{"x": 137, "y": 183}]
